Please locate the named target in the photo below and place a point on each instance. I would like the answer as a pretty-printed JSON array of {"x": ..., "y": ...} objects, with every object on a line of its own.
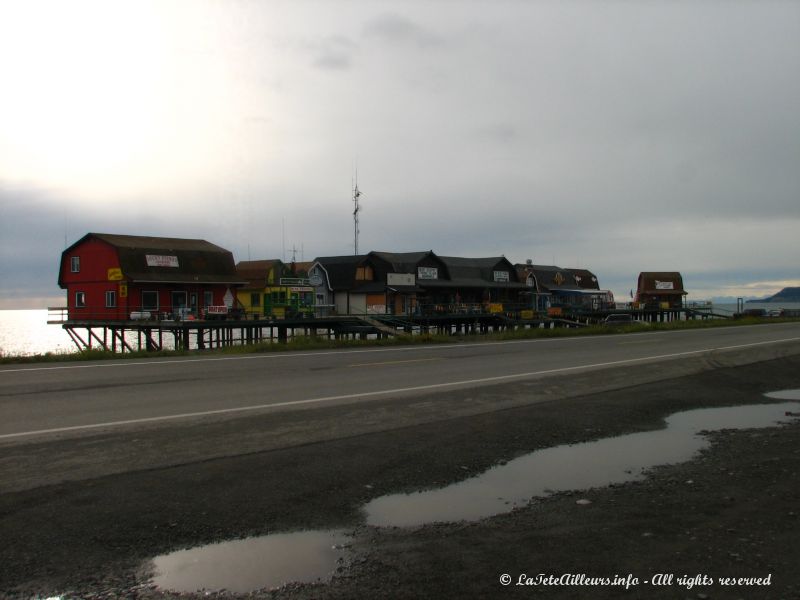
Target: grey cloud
[
  {"x": 335, "y": 53},
  {"x": 502, "y": 133},
  {"x": 397, "y": 29},
  {"x": 32, "y": 231},
  {"x": 333, "y": 61}
]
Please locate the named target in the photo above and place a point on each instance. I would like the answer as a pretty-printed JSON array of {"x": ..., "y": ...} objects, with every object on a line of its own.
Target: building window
[
  {"x": 111, "y": 299},
  {"x": 75, "y": 264},
  {"x": 208, "y": 298},
  {"x": 150, "y": 301},
  {"x": 364, "y": 273},
  {"x": 255, "y": 300},
  {"x": 178, "y": 300},
  {"x": 80, "y": 299}
]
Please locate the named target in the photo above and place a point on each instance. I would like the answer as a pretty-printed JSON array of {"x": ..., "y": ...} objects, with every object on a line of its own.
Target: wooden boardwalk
[{"x": 192, "y": 334}]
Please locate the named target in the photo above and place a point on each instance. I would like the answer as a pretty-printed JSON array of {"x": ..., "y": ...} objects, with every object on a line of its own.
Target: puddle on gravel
[
  {"x": 251, "y": 564},
  {"x": 785, "y": 395},
  {"x": 243, "y": 566},
  {"x": 574, "y": 467}
]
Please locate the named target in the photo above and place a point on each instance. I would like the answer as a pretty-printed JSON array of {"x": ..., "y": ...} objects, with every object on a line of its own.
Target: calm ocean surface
[{"x": 25, "y": 332}]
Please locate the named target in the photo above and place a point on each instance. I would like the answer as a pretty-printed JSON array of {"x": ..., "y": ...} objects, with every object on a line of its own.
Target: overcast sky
[{"x": 617, "y": 136}]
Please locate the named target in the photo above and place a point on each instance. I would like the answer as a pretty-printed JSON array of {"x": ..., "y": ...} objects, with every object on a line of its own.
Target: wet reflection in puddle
[
  {"x": 785, "y": 395},
  {"x": 251, "y": 564},
  {"x": 308, "y": 556},
  {"x": 579, "y": 466}
]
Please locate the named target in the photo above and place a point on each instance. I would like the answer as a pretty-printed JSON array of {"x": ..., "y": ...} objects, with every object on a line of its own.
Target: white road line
[
  {"x": 418, "y": 388},
  {"x": 395, "y": 362}
]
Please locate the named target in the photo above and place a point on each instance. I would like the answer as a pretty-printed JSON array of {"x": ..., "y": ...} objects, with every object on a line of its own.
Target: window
[
  {"x": 150, "y": 301},
  {"x": 75, "y": 264},
  {"x": 80, "y": 299},
  {"x": 255, "y": 299},
  {"x": 111, "y": 299},
  {"x": 208, "y": 298},
  {"x": 364, "y": 273},
  {"x": 178, "y": 300}
]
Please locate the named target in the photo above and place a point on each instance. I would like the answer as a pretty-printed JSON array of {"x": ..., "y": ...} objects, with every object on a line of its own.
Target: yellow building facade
[{"x": 274, "y": 290}]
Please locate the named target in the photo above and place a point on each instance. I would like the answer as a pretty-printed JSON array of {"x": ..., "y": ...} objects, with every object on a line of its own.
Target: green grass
[{"x": 308, "y": 343}]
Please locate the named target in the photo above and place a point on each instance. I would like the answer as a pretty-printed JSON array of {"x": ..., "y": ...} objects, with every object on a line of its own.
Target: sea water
[{"x": 26, "y": 332}]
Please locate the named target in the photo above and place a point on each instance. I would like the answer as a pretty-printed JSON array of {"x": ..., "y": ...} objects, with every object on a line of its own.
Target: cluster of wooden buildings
[{"x": 122, "y": 277}]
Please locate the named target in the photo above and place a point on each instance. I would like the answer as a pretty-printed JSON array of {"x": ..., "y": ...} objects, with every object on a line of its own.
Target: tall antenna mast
[{"x": 356, "y": 195}]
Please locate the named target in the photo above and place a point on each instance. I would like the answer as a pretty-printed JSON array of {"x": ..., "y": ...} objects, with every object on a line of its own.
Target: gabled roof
[
  {"x": 256, "y": 272},
  {"x": 195, "y": 261},
  {"x": 256, "y": 266},
  {"x": 139, "y": 242},
  {"x": 554, "y": 278},
  {"x": 404, "y": 262},
  {"x": 663, "y": 283},
  {"x": 341, "y": 270},
  {"x": 300, "y": 267},
  {"x": 585, "y": 279},
  {"x": 478, "y": 272}
]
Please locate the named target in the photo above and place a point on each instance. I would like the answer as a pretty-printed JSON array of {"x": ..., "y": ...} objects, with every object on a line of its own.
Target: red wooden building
[
  {"x": 660, "y": 290},
  {"x": 119, "y": 277}
]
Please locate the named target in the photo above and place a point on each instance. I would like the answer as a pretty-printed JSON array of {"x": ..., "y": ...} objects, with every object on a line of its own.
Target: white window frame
[
  {"x": 111, "y": 298},
  {"x": 80, "y": 299},
  {"x": 75, "y": 264}
]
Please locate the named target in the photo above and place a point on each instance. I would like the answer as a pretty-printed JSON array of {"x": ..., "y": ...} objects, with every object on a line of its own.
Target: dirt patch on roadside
[{"x": 731, "y": 513}]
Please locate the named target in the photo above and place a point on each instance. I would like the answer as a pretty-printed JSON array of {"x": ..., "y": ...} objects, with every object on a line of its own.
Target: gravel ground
[{"x": 731, "y": 512}]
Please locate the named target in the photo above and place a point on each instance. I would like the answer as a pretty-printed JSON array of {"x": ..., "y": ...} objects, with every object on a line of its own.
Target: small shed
[{"x": 663, "y": 289}]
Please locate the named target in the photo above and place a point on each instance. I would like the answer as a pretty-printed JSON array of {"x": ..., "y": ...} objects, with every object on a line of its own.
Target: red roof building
[
  {"x": 660, "y": 290},
  {"x": 119, "y": 277}
]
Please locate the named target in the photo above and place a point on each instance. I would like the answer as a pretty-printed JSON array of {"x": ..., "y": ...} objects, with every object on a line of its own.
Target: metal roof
[
  {"x": 661, "y": 283},
  {"x": 195, "y": 261}
]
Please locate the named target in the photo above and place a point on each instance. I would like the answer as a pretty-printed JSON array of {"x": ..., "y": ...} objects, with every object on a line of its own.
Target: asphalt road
[
  {"x": 74, "y": 399},
  {"x": 304, "y": 441}
]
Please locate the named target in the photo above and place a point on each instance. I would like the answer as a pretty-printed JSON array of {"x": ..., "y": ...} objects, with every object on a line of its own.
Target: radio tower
[{"x": 356, "y": 195}]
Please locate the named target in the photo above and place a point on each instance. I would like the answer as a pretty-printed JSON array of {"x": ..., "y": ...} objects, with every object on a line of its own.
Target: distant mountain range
[{"x": 789, "y": 294}]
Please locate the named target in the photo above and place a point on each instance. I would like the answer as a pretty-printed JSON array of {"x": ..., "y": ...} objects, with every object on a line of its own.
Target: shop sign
[
  {"x": 501, "y": 276},
  {"x": 158, "y": 260},
  {"x": 664, "y": 285},
  {"x": 400, "y": 279},
  {"x": 428, "y": 272}
]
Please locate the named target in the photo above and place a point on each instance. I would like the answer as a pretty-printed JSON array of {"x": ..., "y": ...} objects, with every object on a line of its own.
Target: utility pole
[{"x": 356, "y": 195}]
